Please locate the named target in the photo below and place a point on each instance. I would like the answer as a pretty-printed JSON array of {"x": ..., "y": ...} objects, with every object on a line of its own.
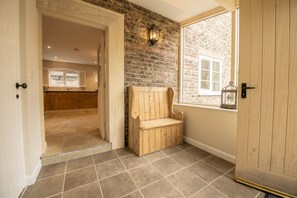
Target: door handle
[
  {"x": 244, "y": 87},
  {"x": 24, "y": 85}
]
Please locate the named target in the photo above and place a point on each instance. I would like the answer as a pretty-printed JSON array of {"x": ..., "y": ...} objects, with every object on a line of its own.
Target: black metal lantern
[
  {"x": 154, "y": 34},
  {"x": 229, "y": 96}
]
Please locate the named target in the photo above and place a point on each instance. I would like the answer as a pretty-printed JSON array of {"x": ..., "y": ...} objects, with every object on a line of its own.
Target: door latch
[{"x": 244, "y": 87}]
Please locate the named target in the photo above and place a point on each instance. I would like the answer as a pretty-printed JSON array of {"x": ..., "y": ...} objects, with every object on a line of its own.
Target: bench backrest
[{"x": 150, "y": 102}]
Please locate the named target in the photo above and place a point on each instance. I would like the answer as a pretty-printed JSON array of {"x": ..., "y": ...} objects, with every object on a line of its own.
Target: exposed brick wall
[
  {"x": 212, "y": 38},
  {"x": 146, "y": 65}
]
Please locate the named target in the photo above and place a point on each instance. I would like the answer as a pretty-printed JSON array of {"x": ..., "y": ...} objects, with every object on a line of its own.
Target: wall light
[{"x": 154, "y": 34}]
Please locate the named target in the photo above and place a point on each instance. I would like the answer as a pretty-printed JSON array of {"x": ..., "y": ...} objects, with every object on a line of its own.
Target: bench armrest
[{"x": 178, "y": 116}]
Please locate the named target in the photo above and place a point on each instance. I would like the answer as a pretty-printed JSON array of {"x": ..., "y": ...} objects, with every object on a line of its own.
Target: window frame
[
  {"x": 65, "y": 71},
  {"x": 210, "y": 92},
  {"x": 201, "y": 17}
]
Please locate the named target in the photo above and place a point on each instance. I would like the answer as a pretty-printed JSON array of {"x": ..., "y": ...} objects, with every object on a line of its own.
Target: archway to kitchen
[{"x": 112, "y": 70}]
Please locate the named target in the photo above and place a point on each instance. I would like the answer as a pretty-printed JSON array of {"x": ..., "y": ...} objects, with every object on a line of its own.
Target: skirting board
[
  {"x": 214, "y": 151},
  {"x": 30, "y": 179}
]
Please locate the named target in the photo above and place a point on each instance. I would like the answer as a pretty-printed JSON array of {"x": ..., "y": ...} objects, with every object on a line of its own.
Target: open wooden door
[{"x": 267, "y": 117}]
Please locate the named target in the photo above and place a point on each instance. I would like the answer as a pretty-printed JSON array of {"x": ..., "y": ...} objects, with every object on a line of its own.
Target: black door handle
[
  {"x": 24, "y": 85},
  {"x": 244, "y": 87}
]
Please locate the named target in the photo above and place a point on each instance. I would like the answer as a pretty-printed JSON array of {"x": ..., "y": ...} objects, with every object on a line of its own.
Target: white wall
[
  {"x": 210, "y": 128},
  {"x": 30, "y": 97}
]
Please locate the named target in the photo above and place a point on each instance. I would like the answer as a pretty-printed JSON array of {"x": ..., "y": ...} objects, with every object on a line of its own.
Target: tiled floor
[
  {"x": 71, "y": 130},
  {"x": 181, "y": 171}
]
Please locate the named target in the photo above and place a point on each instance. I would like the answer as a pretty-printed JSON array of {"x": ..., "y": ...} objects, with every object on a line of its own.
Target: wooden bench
[{"x": 152, "y": 123}]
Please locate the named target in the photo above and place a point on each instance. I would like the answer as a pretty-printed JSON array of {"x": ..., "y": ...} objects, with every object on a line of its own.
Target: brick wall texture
[
  {"x": 146, "y": 65},
  {"x": 212, "y": 38}
]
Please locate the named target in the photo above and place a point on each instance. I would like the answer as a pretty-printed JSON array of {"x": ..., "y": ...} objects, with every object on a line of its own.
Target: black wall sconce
[{"x": 154, "y": 34}]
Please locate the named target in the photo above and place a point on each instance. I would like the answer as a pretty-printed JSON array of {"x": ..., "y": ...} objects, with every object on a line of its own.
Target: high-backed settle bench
[{"x": 152, "y": 123}]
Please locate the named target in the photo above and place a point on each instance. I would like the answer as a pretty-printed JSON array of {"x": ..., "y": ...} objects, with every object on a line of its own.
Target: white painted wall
[
  {"x": 30, "y": 97},
  {"x": 210, "y": 128}
]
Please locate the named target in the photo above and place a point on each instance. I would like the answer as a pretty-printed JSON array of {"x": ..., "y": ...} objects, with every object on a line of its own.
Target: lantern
[
  {"x": 229, "y": 96},
  {"x": 154, "y": 34}
]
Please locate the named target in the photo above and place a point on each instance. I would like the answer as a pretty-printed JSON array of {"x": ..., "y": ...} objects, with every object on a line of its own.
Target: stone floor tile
[
  {"x": 79, "y": 177},
  {"x": 231, "y": 188},
  {"x": 231, "y": 173},
  {"x": 219, "y": 163},
  {"x": 52, "y": 170},
  {"x": 45, "y": 187},
  {"x": 186, "y": 182},
  {"x": 117, "y": 186},
  {"x": 135, "y": 194},
  {"x": 124, "y": 151},
  {"x": 205, "y": 171},
  {"x": 162, "y": 189},
  {"x": 155, "y": 156},
  {"x": 79, "y": 163},
  {"x": 87, "y": 191},
  {"x": 185, "y": 146},
  {"x": 184, "y": 158},
  {"x": 109, "y": 168},
  {"x": 56, "y": 196},
  {"x": 133, "y": 161},
  {"x": 209, "y": 192},
  {"x": 171, "y": 150},
  {"x": 145, "y": 175},
  {"x": 198, "y": 153},
  {"x": 103, "y": 157},
  {"x": 166, "y": 166}
]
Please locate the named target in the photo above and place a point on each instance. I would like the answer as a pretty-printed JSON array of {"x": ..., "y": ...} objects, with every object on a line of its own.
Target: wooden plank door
[
  {"x": 267, "y": 118},
  {"x": 12, "y": 172}
]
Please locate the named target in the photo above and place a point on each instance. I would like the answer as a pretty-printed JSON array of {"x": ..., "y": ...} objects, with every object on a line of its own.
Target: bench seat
[{"x": 150, "y": 124}]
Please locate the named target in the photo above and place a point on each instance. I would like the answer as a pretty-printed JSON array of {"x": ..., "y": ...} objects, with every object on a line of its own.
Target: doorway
[
  {"x": 71, "y": 57},
  {"x": 113, "y": 25}
]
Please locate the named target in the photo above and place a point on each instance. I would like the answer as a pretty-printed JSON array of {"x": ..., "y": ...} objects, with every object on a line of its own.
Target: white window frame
[
  {"x": 64, "y": 77},
  {"x": 209, "y": 91}
]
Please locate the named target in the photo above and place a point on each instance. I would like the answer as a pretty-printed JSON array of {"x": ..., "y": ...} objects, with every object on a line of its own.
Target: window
[
  {"x": 207, "y": 59},
  {"x": 209, "y": 76},
  {"x": 60, "y": 78}
]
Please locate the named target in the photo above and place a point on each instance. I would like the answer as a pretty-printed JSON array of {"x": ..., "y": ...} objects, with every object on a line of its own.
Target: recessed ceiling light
[
  {"x": 49, "y": 47},
  {"x": 56, "y": 57},
  {"x": 95, "y": 62}
]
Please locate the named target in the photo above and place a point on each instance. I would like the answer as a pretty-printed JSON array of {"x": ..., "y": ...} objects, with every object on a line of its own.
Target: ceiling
[
  {"x": 69, "y": 42},
  {"x": 177, "y": 10}
]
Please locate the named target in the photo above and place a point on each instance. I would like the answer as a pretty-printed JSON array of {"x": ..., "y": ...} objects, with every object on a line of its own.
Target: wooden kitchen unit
[{"x": 64, "y": 100}]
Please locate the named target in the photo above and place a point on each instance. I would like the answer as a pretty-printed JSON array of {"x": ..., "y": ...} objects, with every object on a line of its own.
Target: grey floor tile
[
  {"x": 45, "y": 187},
  {"x": 124, "y": 151},
  {"x": 167, "y": 166},
  {"x": 145, "y": 175},
  {"x": 155, "y": 156},
  {"x": 186, "y": 182},
  {"x": 261, "y": 195},
  {"x": 209, "y": 192},
  {"x": 87, "y": 191},
  {"x": 198, "y": 153},
  {"x": 171, "y": 150},
  {"x": 79, "y": 177},
  {"x": 103, "y": 157},
  {"x": 185, "y": 146},
  {"x": 109, "y": 168},
  {"x": 56, "y": 196},
  {"x": 205, "y": 171},
  {"x": 79, "y": 163},
  {"x": 232, "y": 173},
  {"x": 161, "y": 188},
  {"x": 133, "y": 161},
  {"x": 231, "y": 188},
  {"x": 117, "y": 185},
  {"x": 184, "y": 158},
  {"x": 219, "y": 163},
  {"x": 52, "y": 170},
  {"x": 135, "y": 194}
]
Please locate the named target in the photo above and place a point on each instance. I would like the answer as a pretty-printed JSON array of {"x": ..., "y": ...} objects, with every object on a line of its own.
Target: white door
[
  {"x": 267, "y": 117},
  {"x": 12, "y": 173}
]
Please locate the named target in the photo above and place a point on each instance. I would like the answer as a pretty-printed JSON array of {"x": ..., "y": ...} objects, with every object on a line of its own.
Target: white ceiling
[
  {"x": 64, "y": 36},
  {"x": 177, "y": 10}
]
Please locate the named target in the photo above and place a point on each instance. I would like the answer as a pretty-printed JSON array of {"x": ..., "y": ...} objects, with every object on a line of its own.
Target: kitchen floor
[
  {"x": 180, "y": 171},
  {"x": 71, "y": 130}
]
